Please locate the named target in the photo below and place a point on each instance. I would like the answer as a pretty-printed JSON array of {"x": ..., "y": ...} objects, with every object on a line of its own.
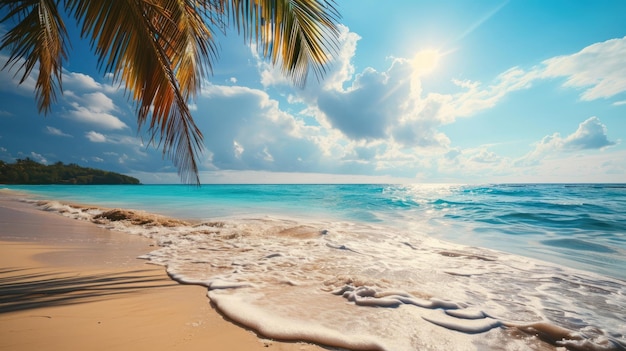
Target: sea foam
[{"x": 371, "y": 287}]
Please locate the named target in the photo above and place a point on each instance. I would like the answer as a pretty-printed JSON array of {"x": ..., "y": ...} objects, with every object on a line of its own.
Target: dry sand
[{"x": 69, "y": 285}]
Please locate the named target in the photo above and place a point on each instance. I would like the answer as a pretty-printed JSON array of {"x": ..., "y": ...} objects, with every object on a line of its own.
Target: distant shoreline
[{"x": 29, "y": 172}]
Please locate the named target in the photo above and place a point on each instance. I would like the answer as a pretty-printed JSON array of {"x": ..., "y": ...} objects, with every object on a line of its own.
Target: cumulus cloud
[
  {"x": 75, "y": 80},
  {"x": 598, "y": 68},
  {"x": 383, "y": 105},
  {"x": 383, "y": 116},
  {"x": 485, "y": 156},
  {"x": 342, "y": 69},
  {"x": 390, "y": 105},
  {"x": 246, "y": 129},
  {"x": 98, "y": 102},
  {"x": 101, "y": 119},
  {"x": 95, "y": 137},
  {"x": 55, "y": 131},
  {"x": 370, "y": 106},
  {"x": 590, "y": 135},
  {"x": 95, "y": 108}
]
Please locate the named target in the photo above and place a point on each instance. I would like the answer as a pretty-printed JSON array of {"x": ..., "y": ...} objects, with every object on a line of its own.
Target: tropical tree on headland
[{"x": 161, "y": 50}]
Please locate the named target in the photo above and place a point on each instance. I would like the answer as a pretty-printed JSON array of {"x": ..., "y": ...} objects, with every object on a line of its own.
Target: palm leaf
[
  {"x": 38, "y": 38},
  {"x": 194, "y": 47},
  {"x": 298, "y": 35},
  {"x": 150, "y": 45}
]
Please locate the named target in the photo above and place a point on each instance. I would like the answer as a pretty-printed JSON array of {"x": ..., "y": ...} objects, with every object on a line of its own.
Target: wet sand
[{"x": 69, "y": 285}]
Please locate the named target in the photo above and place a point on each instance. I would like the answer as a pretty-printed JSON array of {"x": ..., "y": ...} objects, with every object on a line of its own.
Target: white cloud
[
  {"x": 98, "y": 102},
  {"x": 13, "y": 74},
  {"x": 5, "y": 114},
  {"x": 94, "y": 108},
  {"x": 80, "y": 81},
  {"x": 95, "y": 137},
  {"x": 477, "y": 98},
  {"x": 365, "y": 110},
  {"x": 270, "y": 74},
  {"x": 590, "y": 135},
  {"x": 55, "y": 131},
  {"x": 123, "y": 159},
  {"x": 39, "y": 158},
  {"x": 237, "y": 149},
  {"x": 598, "y": 68},
  {"x": 341, "y": 68},
  {"x": 485, "y": 156},
  {"x": 100, "y": 119},
  {"x": 266, "y": 156},
  {"x": 272, "y": 139}
]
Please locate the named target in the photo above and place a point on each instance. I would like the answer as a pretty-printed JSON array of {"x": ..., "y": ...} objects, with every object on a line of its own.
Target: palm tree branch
[
  {"x": 195, "y": 48},
  {"x": 39, "y": 39},
  {"x": 295, "y": 34},
  {"x": 137, "y": 40}
]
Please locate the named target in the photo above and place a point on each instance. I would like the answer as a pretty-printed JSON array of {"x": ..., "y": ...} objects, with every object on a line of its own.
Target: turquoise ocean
[{"x": 390, "y": 267}]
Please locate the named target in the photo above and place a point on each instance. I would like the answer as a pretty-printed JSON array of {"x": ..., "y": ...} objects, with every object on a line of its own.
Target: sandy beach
[{"x": 70, "y": 285}]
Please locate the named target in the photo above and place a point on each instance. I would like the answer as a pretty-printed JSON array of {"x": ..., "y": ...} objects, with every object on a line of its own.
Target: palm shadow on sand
[{"x": 27, "y": 288}]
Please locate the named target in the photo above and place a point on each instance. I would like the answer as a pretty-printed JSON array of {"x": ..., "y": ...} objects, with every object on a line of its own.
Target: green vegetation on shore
[{"x": 28, "y": 171}]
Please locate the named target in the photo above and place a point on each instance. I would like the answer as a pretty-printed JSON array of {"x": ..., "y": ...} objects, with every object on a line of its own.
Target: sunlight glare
[{"x": 425, "y": 61}]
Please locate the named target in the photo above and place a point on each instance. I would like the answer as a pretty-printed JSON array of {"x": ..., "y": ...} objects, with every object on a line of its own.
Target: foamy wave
[{"x": 367, "y": 287}]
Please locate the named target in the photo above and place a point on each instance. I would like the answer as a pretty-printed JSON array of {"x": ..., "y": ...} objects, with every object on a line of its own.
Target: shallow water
[{"x": 367, "y": 267}]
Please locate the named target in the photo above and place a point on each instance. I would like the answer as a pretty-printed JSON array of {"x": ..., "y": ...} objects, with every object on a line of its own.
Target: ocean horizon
[{"x": 517, "y": 253}]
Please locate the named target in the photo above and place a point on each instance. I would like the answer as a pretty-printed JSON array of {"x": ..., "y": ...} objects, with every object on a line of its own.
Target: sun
[{"x": 425, "y": 61}]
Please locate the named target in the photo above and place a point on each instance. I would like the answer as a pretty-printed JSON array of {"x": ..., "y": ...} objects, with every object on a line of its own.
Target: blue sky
[{"x": 421, "y": 91}]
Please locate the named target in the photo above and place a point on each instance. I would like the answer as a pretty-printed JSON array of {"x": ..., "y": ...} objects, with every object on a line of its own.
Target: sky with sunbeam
[{"x": 419, "y": 91}]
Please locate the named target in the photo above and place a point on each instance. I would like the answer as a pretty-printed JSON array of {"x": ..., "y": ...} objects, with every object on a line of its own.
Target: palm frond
[
  {"x": 193, "y": 49},
  {"x": 298, "y": 35},
  {"x": 38, "y": 39},
  {"x": 147, "y": 46}
]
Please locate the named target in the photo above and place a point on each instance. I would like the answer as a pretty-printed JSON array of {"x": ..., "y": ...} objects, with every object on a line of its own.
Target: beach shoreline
[
  {"x": 343, "y": 284},
  {"x": 69, "y": 284}
]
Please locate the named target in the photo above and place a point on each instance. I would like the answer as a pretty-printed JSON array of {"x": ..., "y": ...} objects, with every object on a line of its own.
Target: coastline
[
  {"x": 299, "y": 279},
  {"x": 68, "y": 284}
]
